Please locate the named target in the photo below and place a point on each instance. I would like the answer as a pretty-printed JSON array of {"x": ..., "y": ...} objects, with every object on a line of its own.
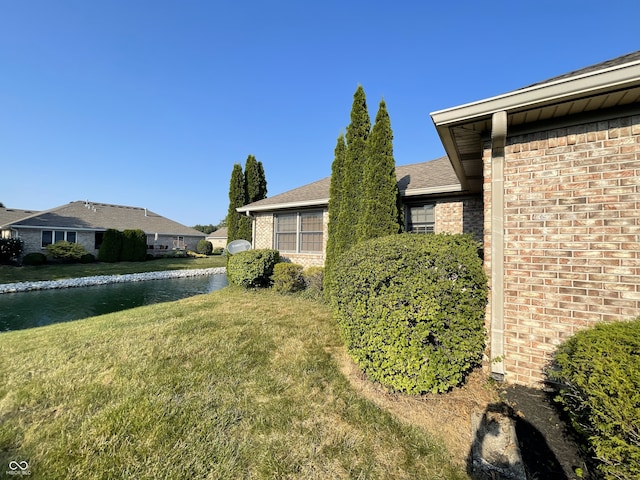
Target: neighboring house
[
  {"x": 296, "y": 222},
  {"x": 218, "y": 238},
  {"x": 553, "y": 170},
  {"x": 558, "y": 164},
  {"x": 85, "y": 222}
]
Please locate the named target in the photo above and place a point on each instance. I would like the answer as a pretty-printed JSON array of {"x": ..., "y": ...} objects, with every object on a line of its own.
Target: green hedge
[
  {"x": 134, "y": 246},
  {"x": 111, "y": 246},
  {"x": 34, "y": 258},
  {"x": 252, "y": 268},
  {"x": 287, "y": 277},
  {"x": 598, "y": 376},
  {"x": 411, "y": 309}
]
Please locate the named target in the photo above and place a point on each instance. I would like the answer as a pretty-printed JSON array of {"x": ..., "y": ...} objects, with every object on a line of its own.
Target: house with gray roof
[
  {"x": 296, "y": 222},
  {"x": 553, "y": 171},
  {"x": 85, "y": 222}
]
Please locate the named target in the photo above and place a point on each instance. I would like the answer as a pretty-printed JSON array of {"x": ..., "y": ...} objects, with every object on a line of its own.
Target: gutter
[{"x": 538, "y": 95}]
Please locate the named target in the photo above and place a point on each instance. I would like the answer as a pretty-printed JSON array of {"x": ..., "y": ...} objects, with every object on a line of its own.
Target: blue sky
[{"x": 150, "y": 103}]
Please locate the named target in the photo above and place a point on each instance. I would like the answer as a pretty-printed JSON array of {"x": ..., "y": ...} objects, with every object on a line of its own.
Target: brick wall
[
  {"x": 460, "y": 216},
  {"x": 571, "y": 245},
  {"x": 452, "y": 215},
  {"x": 264, "y": 238}
]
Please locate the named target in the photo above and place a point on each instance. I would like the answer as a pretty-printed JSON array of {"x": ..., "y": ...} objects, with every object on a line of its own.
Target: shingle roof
[
  {"x": 83, "y": 215},
  {"x": 220, "y": 233},
  {"x": 614, "y": 62},
  {"x": 9, "y": 215},
  {"x": 436, "y": 176}
]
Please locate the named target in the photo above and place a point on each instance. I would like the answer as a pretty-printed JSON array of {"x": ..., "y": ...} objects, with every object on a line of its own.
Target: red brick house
[
  {"x": 558, "y": 164},
  {"x": 553, "y": 172}
]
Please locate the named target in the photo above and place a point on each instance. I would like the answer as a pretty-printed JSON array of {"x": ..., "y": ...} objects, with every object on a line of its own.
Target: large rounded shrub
[
  {"x": 411, "y": 309},
  {"x": 134, "y": 246},
  {"x": 34, "y": 259},
  {"x": 597, "y": 372},
  {"x": 66, "y": 251},
  {"x": 252, "y": 268},
  {"x": 111, "y": 246},
  {"x": 204, "y": 247}
]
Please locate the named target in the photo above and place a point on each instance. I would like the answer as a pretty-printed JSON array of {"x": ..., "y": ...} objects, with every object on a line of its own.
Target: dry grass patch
[{"x": 446, "y": 416}]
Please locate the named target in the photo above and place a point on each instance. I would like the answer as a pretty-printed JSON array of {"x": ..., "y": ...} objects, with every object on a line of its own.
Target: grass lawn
[
  {"x": 11, "y": 274},
  {"x": 232, "y": 384}
]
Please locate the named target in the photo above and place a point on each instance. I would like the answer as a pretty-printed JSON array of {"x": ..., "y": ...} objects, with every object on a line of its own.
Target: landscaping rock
[{"x": 495, "y": 452}]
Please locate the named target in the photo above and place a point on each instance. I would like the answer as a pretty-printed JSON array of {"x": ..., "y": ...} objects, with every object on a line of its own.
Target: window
[
  {"x": 299, "y": 232},
  {"x": 421, "y": 219},
  {"x": 54, "y": 236}
]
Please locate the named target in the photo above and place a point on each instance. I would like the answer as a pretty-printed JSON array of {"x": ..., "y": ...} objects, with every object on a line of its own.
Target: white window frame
[{"x": 63, "y": 233}]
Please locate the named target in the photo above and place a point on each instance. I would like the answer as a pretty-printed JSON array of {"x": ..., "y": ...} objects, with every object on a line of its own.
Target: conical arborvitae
[
  {"x": 334, "y": 243},
  {"x": 236, "y": 200},
  {"x": 380, "y": 199},
  {"x": 352, "y": 185}
]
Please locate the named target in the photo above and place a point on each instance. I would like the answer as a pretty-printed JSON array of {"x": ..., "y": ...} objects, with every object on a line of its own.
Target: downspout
[
  {"x": 253, "y": 229},
  {"x": 498, "y": 141}
]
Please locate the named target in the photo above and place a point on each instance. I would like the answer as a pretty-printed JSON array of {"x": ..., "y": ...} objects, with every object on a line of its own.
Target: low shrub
[
  {"x": 66, "y": 251},
  {"x": 88, "y": 258},
  {"x": 34, "y": 259},
  {"x": 218, "y": 251},
  {"x": 313, "y": 283},
  {"x": 313, "y": 278},
  {"x": 597, "y": 374},
  {"x": 10, "y": 249},
  {"x": 204, "y": 247},
  {"x": 287, "y": 278},
  {"x": 411, "y": 309},
  {"x": 252, "y": 268}
]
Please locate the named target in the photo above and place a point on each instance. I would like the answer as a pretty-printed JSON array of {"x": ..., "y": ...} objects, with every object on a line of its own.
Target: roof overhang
[
  {"x": 320, "y": 202},
  {"x": 462, "y": 128}
]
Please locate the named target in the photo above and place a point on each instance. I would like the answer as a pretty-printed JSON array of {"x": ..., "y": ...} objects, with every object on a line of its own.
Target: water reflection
[{"x": 35, "y": 309}]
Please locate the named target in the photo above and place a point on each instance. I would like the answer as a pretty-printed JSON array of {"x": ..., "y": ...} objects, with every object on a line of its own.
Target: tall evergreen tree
[
  {"x": 352, "y": 185},
  {"x": 251, "y": 180},
  {"x": 236, "y": 200},
  {"x": 262, "y": 182},
  {"x": 380, "y": 198},
  {"x": 335, "y": 245}
]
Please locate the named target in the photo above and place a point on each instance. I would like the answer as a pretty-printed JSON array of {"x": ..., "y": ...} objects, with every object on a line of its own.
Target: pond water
[{"x": 43, "y": 307}]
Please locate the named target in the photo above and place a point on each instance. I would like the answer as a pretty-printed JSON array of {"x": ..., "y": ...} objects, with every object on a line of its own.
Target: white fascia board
[
  {"x": 431, "y": 190},
  {"x": 280, "y": 206},
  {"x": 567, "y": 88}
]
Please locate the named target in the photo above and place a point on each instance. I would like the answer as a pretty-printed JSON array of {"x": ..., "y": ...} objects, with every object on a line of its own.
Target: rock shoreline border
[{"x": 107, "y": 279}]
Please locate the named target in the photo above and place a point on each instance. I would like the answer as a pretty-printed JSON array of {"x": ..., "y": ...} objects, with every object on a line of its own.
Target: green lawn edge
[{"x": 231, "y": 384}]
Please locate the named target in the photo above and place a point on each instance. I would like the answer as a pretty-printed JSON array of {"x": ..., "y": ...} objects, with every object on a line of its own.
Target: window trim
[
  {"x": 52, "y": 232},
  {"x": 298, "y": 232},
  {"x": 421, "y": 227}
]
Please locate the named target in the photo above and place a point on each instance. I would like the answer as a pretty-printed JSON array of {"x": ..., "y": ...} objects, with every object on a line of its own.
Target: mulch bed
[{"x": 544, "y": 437}]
